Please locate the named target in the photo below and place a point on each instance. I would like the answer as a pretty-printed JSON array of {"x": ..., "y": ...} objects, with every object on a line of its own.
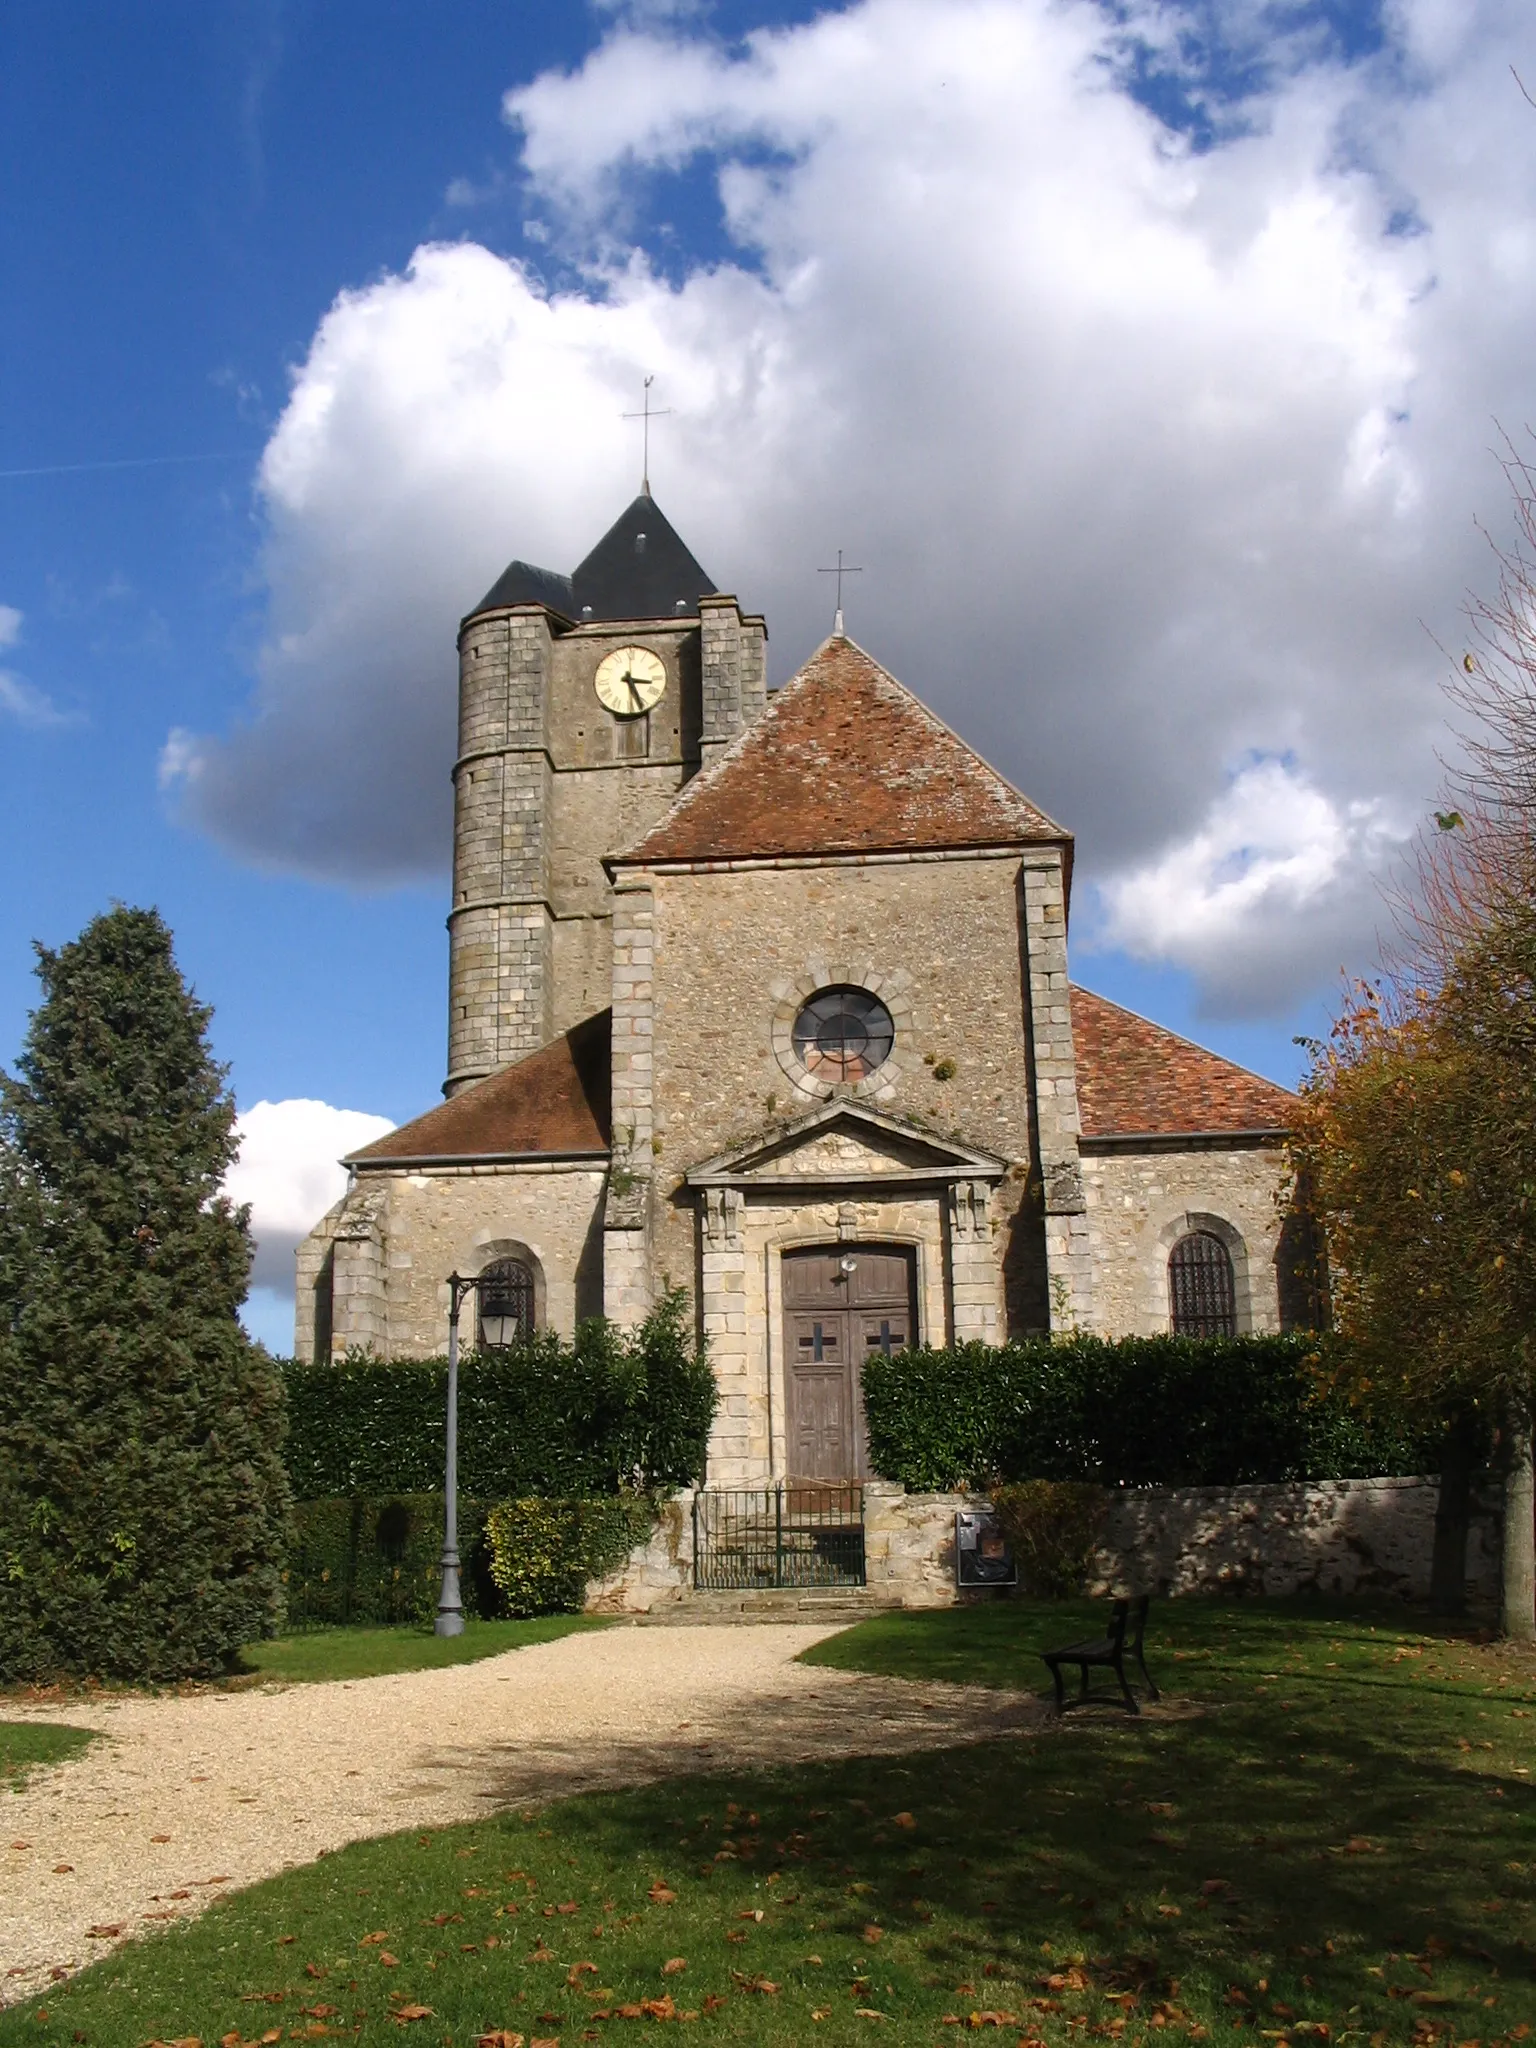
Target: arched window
[
  {"x": 1201, "y": 1291},
  {"x": 506, "y": 1303}
]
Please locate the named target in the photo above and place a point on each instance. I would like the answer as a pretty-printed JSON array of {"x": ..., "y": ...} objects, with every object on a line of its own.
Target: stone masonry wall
[
  {"x": 1340, "y": 1537},
  {"x": 1140, "y": 1203},
  {"x": 398, "y": 1236},
  {"x": 723, "y": 940},
  {"x": 1331, "y": 1537}
]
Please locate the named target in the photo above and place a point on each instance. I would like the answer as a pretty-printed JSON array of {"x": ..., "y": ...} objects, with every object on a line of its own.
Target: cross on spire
[
  {"x": 646, "y": 414},
  {"x": 843, "y": 569}
]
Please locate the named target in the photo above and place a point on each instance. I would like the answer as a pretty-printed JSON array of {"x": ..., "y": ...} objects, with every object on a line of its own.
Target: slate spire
[{"x": 640, "y": 569}]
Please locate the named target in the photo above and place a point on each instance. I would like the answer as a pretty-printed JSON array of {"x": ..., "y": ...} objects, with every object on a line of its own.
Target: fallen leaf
[
  {"x": 62, "y": 1869},
  {"x": 577, "y": 1971},
  {"x": 868, "y": 2012},
  {"x": 993, "y": 2019},
  {"x": 499, "y": 2037},
  {"x": 872, "y": 1934},
  {"x": 751, "y": 1913},
  {"x": 661, "y": 1894},
  {"x": 313, "y": 1970},
  {"x": 371, "y": 1940},
  {"x": 389, "y": 1962},
  {"x": 713, "y": 2000},
  {"x": 107, "y": 1931},
  {"x": 672, "y": 1965},
  {"x": 542, "y": 1955},
  {"x": 570, "y": 1906},
  {"x": 159, "y": 1838},
  {"x": 320, "y": 2012},
  {"x": 659, "y": 2008},
  {"x": 403, "y": 2013},
  {"x": 903, "y": 1820}
]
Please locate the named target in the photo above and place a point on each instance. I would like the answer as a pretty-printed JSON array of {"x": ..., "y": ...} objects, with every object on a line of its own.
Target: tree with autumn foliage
[{"x": 1417, "y": 1137}]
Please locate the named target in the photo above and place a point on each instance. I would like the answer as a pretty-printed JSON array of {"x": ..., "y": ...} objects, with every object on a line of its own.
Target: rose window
[{"x": 843, "y": 1034}]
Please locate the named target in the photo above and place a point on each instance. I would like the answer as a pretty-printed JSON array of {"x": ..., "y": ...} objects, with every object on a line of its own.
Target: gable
[
  {"x": 843, "y": 1142},
  {"x": 1134, "y": 1079},
  {"x": 844, "y": 760},
  {"x": 553, "y": 1103}
]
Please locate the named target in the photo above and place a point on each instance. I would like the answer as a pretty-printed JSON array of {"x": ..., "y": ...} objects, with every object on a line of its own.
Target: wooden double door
[{"x": 840, "y": 1304}]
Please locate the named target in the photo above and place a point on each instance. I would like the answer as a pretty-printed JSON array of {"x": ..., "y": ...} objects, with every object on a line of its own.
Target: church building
[{"x": 765, "y": 995}]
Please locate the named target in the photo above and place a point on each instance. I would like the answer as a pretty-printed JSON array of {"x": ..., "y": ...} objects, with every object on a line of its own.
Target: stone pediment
[{"x": 846, "y": 1142}]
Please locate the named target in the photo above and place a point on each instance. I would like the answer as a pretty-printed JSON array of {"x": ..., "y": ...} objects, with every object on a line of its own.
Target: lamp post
[{"x": 498, "y": 1329}]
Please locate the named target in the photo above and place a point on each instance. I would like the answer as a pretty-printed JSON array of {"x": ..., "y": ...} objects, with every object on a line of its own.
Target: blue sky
[{"x": 1160, "y": 506}]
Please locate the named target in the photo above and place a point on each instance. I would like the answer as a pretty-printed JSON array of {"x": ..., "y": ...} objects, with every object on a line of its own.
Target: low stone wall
[
  {"x": 656, "y": 1573},
  {"x": 1340, "y": 1537}
]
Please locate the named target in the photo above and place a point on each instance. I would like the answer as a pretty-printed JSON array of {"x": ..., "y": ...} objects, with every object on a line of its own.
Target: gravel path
[{"x": 192, "y": 1797}]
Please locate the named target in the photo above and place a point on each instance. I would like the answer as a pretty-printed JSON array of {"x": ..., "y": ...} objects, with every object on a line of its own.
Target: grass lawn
[
  {"x": 326, "y": 1653},
  {"x": 1337, "y": 1840},
  {"x": 24, "y": 1745}
]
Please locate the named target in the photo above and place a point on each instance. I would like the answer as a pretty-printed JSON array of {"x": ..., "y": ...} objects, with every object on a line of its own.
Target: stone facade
[
  {"x": 379, "y": 1261},
  {"x": 675, "y": 888},
  {"x": 1141, "y": 1201}
]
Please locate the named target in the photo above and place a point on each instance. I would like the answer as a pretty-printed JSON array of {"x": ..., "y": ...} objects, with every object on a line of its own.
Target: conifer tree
[{"x": 143, "y": 1502}]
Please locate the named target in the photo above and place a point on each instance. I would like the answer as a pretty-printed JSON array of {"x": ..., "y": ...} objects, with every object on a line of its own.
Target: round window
[{"x": 843, "y": 1034}]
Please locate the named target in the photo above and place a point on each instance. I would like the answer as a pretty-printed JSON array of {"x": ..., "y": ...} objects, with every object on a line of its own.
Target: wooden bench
[{"x": 1127, "y": 1626}]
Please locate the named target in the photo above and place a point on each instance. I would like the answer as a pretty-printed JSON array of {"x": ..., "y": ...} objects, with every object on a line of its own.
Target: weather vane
[
  {"x": 646, "y": 414},
  {"x": 843, "y": 569}
]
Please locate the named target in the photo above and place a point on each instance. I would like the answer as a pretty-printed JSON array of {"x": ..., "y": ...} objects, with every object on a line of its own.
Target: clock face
[{"x": 630, "y": 680}]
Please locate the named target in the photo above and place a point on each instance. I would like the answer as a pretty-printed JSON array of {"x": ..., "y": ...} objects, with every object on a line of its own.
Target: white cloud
[
  {"x": 1275, "y": 873},
  {"x": 1155, "y": 458},
  {"x": 20, "y": 699},
  {"x": 289, "y": 1171}
]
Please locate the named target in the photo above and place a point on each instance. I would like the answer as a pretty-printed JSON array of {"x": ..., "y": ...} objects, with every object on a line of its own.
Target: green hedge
[
  {"x": 366, "y": 1559},
  {"x": 1143, "y": 1411},
  {"x": 615, "y": 1412}
]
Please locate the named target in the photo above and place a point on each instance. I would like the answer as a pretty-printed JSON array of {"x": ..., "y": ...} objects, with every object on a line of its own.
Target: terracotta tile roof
[
  {"x": 555, "y": 1101},
  {"x": 1133, "y": 1077},
  {"x": 844, "y": 760}
]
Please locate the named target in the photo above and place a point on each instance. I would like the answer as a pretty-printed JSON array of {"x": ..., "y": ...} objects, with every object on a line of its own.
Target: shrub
[
  {"x": 543, "y": 1552},
  {"x": 1053, "y": 1528},
  {"x": 1141, "y": 1411},
  {"x": 615, "y": 1411},
  {"x": 377, "y": 1559}
]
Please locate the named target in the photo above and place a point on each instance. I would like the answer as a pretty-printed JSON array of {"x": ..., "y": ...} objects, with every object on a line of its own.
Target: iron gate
[{"x": 785, "y": 1535}]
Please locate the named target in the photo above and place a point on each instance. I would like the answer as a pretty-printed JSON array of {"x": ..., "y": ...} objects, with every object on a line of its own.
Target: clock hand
[{"x": 634, "y": 688}]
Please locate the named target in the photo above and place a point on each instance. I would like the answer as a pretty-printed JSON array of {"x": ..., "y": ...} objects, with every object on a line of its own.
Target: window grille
[
  {"x": 1201, "y": 1290},
  {"x": 506, "y": 1297},
  {"x": 844, "y": 1034}
]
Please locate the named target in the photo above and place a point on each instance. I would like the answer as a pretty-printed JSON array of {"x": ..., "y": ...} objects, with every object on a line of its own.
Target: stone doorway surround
[{"x": 846, "y": 1174}]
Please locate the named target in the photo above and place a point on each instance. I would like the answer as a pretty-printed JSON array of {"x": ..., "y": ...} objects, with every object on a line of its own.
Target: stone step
[{"x": 833, "y": 1604}]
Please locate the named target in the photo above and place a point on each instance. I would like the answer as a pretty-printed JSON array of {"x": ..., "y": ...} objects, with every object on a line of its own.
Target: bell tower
[{"x": 586, "y": 702}]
